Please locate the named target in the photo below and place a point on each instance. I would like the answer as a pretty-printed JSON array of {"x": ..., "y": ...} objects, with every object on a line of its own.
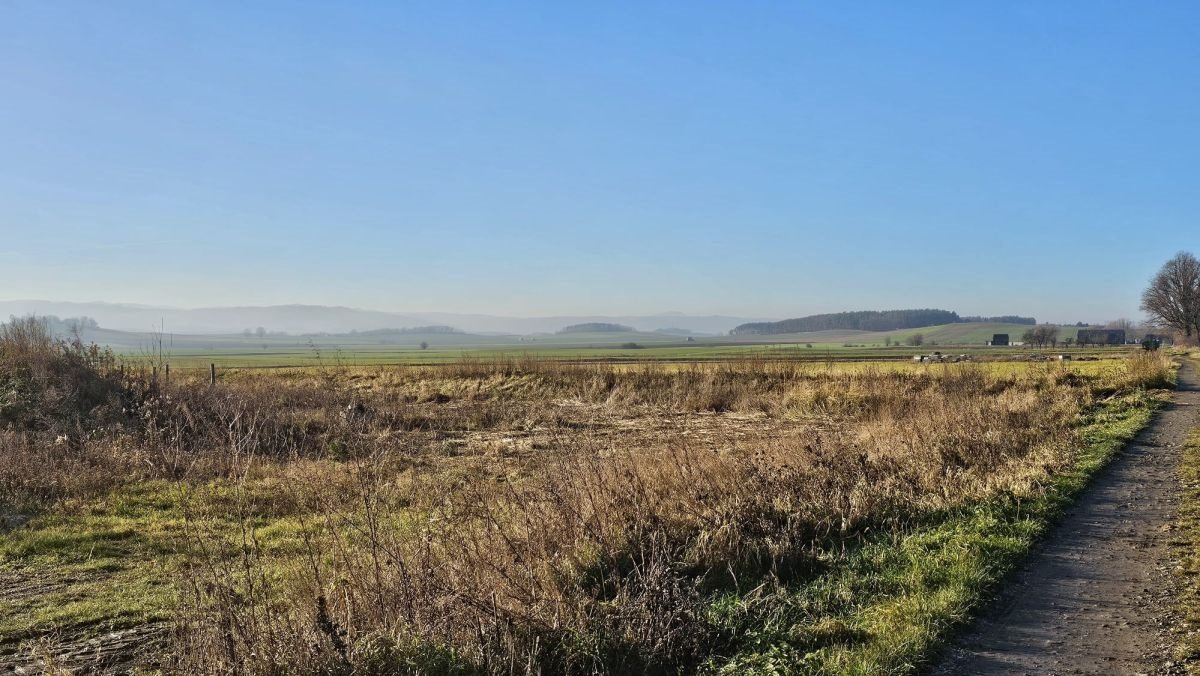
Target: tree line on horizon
[
  {"x": 597, "y": 327},
  {"x": 61, "y": 326},
  {"x": 871, "y": 320}
]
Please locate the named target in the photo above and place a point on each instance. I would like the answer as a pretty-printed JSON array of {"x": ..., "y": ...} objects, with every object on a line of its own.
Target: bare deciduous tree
[
  {"x": 1173, "y": 298},
  {"x": 1041, "y": 335},
  {"x": 1049, "y": 334}
]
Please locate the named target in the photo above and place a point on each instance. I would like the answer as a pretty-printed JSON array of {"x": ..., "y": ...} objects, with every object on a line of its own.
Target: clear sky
[{"x": 753, "y": 158}]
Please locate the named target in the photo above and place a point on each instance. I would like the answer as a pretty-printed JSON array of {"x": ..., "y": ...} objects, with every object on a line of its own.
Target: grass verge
[
  {"x": 1188, "y": 543},
  {"x": 887, "y": 605}
]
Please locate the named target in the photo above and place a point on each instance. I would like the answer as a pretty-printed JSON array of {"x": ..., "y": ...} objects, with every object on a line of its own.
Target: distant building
[
  {"x": 1101, "y": 337},
  {"x": 999, "y": 340}
]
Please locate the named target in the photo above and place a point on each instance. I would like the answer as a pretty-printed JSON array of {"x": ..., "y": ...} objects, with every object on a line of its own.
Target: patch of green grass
[
  {"x": 885, "y": 604},
  {"x": 94, "y": 568},
  {"x": 820, "y": 346},
  {"x": 114, "y": 562}
]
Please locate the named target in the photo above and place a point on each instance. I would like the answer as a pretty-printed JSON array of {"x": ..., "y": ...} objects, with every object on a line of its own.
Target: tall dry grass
[
  {"x": 61, "y": 404},
  {"x": 521, "y": 516},
  {"x": 601, "y": 552}
]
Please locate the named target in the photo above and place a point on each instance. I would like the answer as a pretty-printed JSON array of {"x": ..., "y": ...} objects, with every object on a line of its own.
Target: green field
[{"x": 184, "y": 352}]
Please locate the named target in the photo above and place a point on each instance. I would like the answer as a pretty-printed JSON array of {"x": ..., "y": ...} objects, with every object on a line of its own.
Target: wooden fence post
[
  {"x": 212, "y": 374},
  {"x": 167, "y": 375}
]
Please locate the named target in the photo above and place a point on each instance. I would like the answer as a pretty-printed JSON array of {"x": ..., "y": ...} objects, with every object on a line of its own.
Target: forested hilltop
[
  {"x": 870, "y": 320},
  {"x": 596, "y": 327}
]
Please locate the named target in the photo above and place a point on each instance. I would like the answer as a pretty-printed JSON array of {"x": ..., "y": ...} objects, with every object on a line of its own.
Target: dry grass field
[{"x": 530, "y": 516}]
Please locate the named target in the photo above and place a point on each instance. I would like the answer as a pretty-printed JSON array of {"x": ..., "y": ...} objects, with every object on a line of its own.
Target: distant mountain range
[{"x": 297, "y": 319}]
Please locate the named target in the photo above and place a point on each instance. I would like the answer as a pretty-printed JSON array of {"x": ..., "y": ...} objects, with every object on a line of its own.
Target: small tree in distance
[
  {"x": 1041, "y": 336},
  {"x": 1049, "y": 334},
  {"x": 916, "y": 339}
]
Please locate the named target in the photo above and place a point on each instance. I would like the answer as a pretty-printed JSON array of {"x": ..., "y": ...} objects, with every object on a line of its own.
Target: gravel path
[{"x": 1096, "y": 596}]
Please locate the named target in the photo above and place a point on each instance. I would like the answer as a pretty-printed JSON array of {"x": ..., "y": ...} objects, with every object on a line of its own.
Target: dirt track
[{"x": 1096, "y": 596}]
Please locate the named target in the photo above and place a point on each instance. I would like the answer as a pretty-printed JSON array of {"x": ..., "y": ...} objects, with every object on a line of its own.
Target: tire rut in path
[{"x": 1096, "y": 596}]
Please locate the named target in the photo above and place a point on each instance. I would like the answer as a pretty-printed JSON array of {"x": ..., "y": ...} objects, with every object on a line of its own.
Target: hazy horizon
[
  {"x": 537, "y": 160},
  {"x": 33, "y": 306},
  {"x": 299, "y": 318}
]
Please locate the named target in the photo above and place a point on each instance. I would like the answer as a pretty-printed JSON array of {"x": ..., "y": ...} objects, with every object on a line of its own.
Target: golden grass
[
  {"x": 602, "y": 543},
  {"x": 545, "y": 517}
]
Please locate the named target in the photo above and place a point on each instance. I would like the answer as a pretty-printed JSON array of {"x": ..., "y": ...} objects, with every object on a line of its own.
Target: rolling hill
[{"x": 958, "y": 333}]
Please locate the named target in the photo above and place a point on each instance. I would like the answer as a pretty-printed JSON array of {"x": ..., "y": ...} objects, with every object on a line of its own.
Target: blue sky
[{"x": 759, "y": 159}]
